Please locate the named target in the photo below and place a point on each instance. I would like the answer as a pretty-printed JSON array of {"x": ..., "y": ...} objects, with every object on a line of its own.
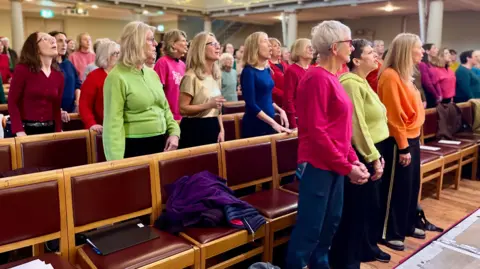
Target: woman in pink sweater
[
  {"x": 84, "y": 55},
  {"x": 444, "y": 76}
]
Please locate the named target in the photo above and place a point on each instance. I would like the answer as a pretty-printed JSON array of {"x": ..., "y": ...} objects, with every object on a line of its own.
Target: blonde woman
[
  {"x": 229, "y": 78},
  {"x": 83, "y": 56},
  {"x": 257, "y": 86},
  {"x": 302, "y": 55},
  {"x": 170, "y": 68},
  {"x": 278, "y": 68},
  {"x": 137, "y": 119},
  {"x": 405, "y": 114},
  {"x": 200, "y": 97}
]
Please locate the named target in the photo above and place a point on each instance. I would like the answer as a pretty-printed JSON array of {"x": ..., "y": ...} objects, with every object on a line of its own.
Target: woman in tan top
[{"x": 200, "y": 97}]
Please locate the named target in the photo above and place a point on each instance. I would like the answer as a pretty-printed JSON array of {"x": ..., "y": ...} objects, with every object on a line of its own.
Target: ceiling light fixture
[
  {"x": 94, "y": 6},
  {"x": 28, "y": 0},
  {"x": 145, "y": 12},
  {"x": 389, "y": 7}
]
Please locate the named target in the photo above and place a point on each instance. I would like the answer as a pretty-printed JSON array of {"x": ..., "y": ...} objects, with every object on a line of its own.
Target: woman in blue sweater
[{"x": 257, "y": 85}]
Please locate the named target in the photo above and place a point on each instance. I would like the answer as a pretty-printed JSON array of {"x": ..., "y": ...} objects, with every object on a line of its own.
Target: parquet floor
[{"x": 452, "y": 207}]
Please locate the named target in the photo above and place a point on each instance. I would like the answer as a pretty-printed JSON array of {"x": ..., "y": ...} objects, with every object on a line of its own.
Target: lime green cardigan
[
  {"x": 369, "y": 118},
  {"x": 134, "y": 107}
]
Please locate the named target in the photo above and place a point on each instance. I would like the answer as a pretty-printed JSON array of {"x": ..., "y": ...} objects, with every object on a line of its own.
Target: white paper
[
  {"x": 35, "y": 264},
  {"x": 429, "y": 148},
  {"x": 450, "y": 142}
]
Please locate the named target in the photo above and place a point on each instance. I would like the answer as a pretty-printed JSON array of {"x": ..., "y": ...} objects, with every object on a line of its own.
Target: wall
[
  {"x": 459, "y": 29},
  {"x": 190, "y": 25}
]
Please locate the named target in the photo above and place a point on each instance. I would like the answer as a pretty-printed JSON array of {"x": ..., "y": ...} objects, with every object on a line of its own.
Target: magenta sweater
[{"x": 171, "y": 72}]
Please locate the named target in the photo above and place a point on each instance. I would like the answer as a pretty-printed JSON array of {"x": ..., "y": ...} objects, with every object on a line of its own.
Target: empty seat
[
  {"x": 55, "y": 150},
  {"x": 286, "y": 152},
  {"x": 293, "y": 186},
  {"x": 56, "y": 261},
  {"x": 431, "y": 168},
  {"x": 32, "y": 210},
  {"x": 229, "y": 126}
]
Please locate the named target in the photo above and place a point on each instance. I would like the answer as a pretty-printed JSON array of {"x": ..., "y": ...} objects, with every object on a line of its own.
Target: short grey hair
[
  {"x": 325, "y": 34},
  {"x": 376, "y": 42},
  {"x": 224, "y": 57},
  {"x": 104, "y": 50}
]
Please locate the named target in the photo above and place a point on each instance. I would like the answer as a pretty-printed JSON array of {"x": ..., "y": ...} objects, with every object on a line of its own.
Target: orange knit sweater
[{"x": 405, "y": 112}]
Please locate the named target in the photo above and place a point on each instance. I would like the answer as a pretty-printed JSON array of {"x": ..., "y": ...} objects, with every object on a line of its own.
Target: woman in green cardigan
[
  {"x": 137, "y": 118},
  {"x": 360, "y": 227}
]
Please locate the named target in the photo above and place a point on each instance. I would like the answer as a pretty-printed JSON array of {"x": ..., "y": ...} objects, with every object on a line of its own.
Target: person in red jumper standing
[
  {"x": 277, "y": 68},
  {"x": 325, "y": 152},
  {"x": 36, "y": 90},
  {"x": 301, "y": 55},
  {"x": 91, "y": 99}
]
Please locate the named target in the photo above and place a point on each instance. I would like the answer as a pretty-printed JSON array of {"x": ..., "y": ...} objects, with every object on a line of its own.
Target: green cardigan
[
  {"x": 369, "y": 117},
  {"x": 134, "y": 107}
]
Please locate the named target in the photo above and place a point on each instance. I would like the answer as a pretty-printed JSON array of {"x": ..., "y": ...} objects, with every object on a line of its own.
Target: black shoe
[
  {"x": 383, "y": 257},
  {"x": 418, "y": 233},
  {"x": 394, "y": 244}
]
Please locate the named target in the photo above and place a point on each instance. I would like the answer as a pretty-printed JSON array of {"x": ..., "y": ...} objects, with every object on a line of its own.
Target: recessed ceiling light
[
  {"x": 94, "y": 6},
  {"x": 145, "y": 12},
  {"x": 390, "y": 8},
  {"x": 28, "y": 0}
]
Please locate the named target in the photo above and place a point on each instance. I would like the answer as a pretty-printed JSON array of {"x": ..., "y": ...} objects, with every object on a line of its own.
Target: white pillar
[
  {"x": 17, "y": 25},
  {"x": 421, "y": 18},
  {"x": 435, "y": 22},
  {"x": 292, "y": 28},
  {"x": 404, "y": 24},
  {"x": 284, "y": 28},
  {"x": 207, "y": 24}
]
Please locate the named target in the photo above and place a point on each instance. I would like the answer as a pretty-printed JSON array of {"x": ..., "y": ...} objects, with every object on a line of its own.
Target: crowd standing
[{"x": 358, "y": 109}]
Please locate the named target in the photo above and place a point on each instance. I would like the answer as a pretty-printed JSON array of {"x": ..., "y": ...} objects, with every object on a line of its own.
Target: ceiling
[{"x": 401, "y": 7}]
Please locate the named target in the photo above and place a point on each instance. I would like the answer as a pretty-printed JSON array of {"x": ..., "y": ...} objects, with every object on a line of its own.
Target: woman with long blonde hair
[
  {"x": 405, "y": 114},
  {"x": 257, "y": 86},
  {"x": 200, "y": 96},
  {"x": 137, "y": 119}
]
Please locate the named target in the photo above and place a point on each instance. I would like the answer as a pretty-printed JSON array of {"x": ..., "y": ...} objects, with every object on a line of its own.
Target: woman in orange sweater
[{"x": 405, "y": 114}]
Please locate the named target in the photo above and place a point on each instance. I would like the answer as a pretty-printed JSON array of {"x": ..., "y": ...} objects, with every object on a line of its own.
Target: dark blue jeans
[{"x": 320, "y": 204}]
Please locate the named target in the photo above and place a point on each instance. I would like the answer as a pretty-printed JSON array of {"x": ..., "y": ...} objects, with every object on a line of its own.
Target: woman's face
[
  {"x": 417, "y": 52},
  {"x": 264, "y": 47},
  {"x": 47, "y": 45},
  {"x": 344, "y": 48},
  {"x": 239, "y": 54},
  {"x": 71, "y": 45},
  {"x": 1, "y": 47},
  {"x": 227, "y": 64},
  {"x": 368, "y": 60},
  {"x": 181, "y": 46},
  {"x": 150, "y": 45},
  {"x": 308, "y": 51},
  {"x": 433, "y": 51},
  {"x": 229, "y": 49},
  {"x": 447, "y": 56},
  {"x": 212, "y": 49},
  {"x": 86, "y": 42},
  {"x": 114, "y": 58},
  {"x": 286, "y": 55},
  {"x": 276, "y": 50},
  {"x": 61, "y": 40}
]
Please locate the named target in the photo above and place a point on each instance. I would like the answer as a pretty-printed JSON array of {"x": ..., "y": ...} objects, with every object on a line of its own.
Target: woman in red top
[
  {"x": 36, "y": 90},
  {"x": 444, "y": 76},
  {"x": 301, "y": 56},
  {"x": 278, "y": 68},
  {"x": 91, "y": 99},
  {"x": 4, "y": 66}
]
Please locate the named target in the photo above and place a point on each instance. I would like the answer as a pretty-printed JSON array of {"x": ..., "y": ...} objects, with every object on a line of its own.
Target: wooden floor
[{"x": 452, "y": 207}]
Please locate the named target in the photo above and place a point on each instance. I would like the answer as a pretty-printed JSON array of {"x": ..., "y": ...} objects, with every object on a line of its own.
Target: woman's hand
[
  {"x": 97, "y": 128},
  {"x": 378, "y": 167},
  {"x": 172, "y": 143},
  {"x": 405, "y": 159},
  {"x": 221, "y": 137},
  {"x": 216, "y": 102},
  {"x": 65, "y": 116},
  {"x": 280, "y": 129},
  {"x": 284, "y": 118}
]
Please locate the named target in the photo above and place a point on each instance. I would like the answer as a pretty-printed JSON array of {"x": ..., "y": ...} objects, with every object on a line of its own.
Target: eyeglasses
[
  {"x": 350, "y": 43},
  {"x": 151, "y": 40},
  {"x": 45, "y": 39},
  {"x": 116, "y": 53},
  {"x": 213, "y": 44}
]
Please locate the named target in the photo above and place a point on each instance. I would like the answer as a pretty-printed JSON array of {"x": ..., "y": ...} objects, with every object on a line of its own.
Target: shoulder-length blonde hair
[
  {"x": 133, "y": 43},
  {"x": 196, "y": 56},
  {"x": 399, "y": 56},
  {"x": 298, "y": 48},
  {"x": 170, "y": 38},
  {"x": 79, "y": 41},
  {"x": 251, "y": 48}
]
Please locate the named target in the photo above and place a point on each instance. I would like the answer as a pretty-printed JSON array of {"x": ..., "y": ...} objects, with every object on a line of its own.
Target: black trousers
[
  {"x": 144, "y": 146},
  {"x": 198, "y": 131},
  {"x": 361, "y": 225},
  {"x": 400, "y": 194}
]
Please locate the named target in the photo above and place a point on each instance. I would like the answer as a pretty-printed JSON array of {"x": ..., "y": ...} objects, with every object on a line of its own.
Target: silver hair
[
  {"x": 224, "y": 57},
  {"x": 104, "y": 50},
  {"x": 325, "y": 34}
]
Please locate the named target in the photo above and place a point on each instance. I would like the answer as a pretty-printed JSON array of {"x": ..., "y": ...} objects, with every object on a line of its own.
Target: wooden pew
[
  {"x": 8, "y": 157},
  {"x": 33, "y": 212},
  {"x": 112, "y": 192},
  {"x": 233, "y": 107}
]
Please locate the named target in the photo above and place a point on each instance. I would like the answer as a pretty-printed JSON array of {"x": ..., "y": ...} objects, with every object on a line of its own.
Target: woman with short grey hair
[
  {"x": 325, "y": 152},
  {"x": 91, "y": 99},
  {"x": 229, "y": 78}
]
